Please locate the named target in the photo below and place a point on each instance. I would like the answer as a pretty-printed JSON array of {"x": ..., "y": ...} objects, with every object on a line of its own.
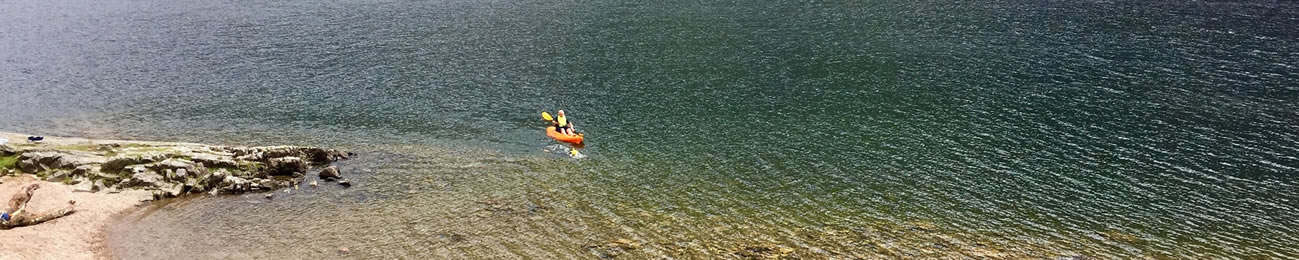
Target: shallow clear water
[{"x": 840, "y": 129}]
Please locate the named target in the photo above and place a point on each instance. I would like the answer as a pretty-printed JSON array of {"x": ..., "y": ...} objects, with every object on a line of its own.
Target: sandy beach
[{"x": 76, "y": 236}]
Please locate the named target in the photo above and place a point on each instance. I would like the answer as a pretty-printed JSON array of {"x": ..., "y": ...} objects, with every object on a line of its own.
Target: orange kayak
[{"x": 573, "y": 139}]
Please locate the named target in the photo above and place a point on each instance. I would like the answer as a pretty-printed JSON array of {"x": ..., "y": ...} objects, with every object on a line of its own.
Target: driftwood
[{"x": 19, "y": 215}]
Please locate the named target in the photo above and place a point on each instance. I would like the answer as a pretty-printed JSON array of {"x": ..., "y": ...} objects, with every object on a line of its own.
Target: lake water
[{"x": 838, "y": 129}]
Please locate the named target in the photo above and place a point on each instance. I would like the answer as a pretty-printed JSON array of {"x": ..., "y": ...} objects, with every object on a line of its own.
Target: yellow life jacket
[{"x": 562, "y": 121}]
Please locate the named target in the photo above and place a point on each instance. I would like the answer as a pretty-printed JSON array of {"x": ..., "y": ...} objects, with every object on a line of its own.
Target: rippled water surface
[{"x": 838, "y": 129}]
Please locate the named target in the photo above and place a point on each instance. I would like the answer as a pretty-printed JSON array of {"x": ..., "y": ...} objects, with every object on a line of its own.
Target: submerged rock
[
  {"x": 330, "y": 173},
  {"x": 613, "y": 248},
  {"x": 764, "y": 252}
]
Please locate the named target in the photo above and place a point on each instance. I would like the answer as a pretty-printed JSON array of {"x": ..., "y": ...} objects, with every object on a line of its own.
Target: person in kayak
[{"x": 562, "y": 125}]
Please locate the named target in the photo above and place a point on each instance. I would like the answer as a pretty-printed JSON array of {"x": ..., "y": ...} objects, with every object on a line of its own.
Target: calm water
[{"x": 841, "y": 129}]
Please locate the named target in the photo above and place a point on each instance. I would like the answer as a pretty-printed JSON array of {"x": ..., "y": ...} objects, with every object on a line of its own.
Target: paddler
[{"x": 562, "y": 125}]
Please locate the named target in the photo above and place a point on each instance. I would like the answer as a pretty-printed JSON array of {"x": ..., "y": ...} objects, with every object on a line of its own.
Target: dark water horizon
[{"x": 837, "y": 129}]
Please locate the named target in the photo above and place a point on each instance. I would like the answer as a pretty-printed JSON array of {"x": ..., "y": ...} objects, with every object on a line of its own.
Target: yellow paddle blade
[{"x": 546, "y": 116}]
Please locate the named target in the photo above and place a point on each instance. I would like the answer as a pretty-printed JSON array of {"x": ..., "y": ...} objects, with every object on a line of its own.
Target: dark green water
[{"x": 841, "y": 129}]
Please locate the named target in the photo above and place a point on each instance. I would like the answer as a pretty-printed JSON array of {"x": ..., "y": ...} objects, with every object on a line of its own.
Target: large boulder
[
  {"x": 287, "y": 166},
  {"x": 35, "y": 161},
  {"x": 60, "y": 160},
  {"x": 30, "y": 165},
  {"x": 169, "y": 191},
  {"x": 43, "y": 157},
  {"x": 181, "y": 174},
  {"x": 215, "y": 179},
  {"x": 75, "y": 159},
  {"x": 142, "y": 177},
  {"x": 234, "y": 184},
  {"x": 330, "y": 173}
]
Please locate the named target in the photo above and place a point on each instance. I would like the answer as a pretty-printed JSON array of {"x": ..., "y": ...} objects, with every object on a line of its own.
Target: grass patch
[{"x": 8, "y": 162}]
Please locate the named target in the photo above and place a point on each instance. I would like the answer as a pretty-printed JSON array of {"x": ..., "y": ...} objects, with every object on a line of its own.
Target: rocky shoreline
[
  {"x": 165, "y": 169},
  {"x": 105, "y": 178}
]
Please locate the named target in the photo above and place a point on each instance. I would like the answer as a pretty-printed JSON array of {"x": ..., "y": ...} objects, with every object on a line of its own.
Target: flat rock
[
  {"x": 58, "y": 175},
  {"x": 214, "y": 161},
  {"x": 6, "y": 150},
  {"x": 121, "y": 161},
  {"x": 171, "y": 164},
  {"x": 46, "y": 158}
]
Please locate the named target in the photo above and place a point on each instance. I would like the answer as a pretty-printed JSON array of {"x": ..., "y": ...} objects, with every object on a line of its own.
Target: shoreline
[{"x": 109, "y": 178}]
